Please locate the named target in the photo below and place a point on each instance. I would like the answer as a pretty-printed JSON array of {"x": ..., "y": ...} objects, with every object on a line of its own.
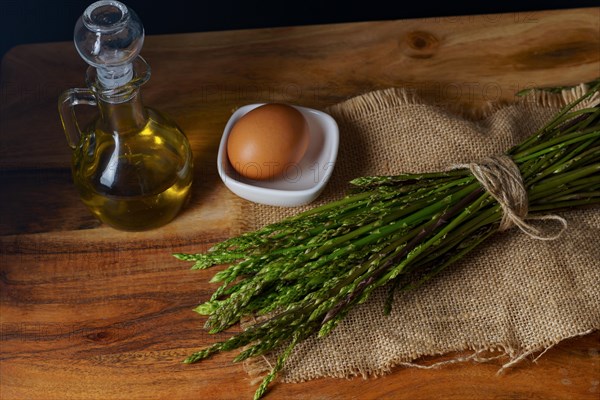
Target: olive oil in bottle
[
  {"x": 132, "y": 166},
  {"x": 134, "y": 180}
]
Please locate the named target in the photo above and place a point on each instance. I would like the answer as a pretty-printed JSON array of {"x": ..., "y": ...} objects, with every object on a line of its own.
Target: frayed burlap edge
[
  {"x": 367, "y": 104},
  {"x": 371, "y": 102},
  {"x": 258, "y": 367}
]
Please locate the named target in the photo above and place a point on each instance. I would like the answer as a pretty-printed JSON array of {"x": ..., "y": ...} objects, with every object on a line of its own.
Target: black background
[{"x": 31, "y": 21}]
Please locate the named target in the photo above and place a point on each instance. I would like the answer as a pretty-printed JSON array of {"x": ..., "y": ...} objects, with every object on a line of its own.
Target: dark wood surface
[{"x": 87, "y": 312}]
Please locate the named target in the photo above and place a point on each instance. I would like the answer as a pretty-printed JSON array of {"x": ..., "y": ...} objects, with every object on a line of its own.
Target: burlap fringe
[
  {"x": 258, "y": 367},
  {"x": 357, "y": 107},
  {"x": 369, "y": 103},
  {"x": 566, "y": 96},
  {"x": 515, "y": 356}
]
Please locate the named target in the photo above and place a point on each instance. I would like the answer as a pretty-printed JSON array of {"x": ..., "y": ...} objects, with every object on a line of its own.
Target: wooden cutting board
[{"x": 87, "y": 312}]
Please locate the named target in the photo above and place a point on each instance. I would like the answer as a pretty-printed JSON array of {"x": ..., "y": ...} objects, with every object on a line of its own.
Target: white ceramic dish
[{"x": 302, "y": 182}]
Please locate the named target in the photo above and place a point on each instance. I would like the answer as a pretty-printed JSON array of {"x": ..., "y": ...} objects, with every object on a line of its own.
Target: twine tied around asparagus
[{"x": 500, "y": 176}]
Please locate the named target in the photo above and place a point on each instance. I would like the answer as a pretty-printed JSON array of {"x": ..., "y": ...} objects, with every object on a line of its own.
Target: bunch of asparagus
[{"x": 307, "y": 272}]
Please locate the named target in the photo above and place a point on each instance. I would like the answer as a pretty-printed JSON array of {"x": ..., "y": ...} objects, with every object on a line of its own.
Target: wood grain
[{"x": 87, "y": 312}]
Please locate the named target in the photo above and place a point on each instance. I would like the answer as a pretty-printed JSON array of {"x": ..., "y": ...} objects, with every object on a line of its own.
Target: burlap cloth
[{"x": 513, "y": 297}]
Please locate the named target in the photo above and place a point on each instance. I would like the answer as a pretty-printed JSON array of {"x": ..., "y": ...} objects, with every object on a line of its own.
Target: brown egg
[{"x": 266, "y": 141}]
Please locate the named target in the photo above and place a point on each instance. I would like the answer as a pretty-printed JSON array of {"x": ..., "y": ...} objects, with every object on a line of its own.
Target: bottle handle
[{"x": 67, "y": 100}]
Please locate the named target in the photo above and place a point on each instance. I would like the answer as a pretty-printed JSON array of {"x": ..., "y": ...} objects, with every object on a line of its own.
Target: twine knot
[{"x": 500, "y": 176}]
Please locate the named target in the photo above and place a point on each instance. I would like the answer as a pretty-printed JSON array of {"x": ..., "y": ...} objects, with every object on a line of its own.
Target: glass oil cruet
[{"x": 132, "y": 166}]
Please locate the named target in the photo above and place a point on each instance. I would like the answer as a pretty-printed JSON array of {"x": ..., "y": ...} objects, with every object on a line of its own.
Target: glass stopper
[{"x": 109, "y": 36}]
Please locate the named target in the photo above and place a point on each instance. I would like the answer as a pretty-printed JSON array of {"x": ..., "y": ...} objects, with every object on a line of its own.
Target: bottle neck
[{"x": 123, "y": 116}]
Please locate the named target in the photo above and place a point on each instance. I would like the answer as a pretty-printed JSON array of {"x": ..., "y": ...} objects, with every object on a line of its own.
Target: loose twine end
[{"x": 500, "y": 176}]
